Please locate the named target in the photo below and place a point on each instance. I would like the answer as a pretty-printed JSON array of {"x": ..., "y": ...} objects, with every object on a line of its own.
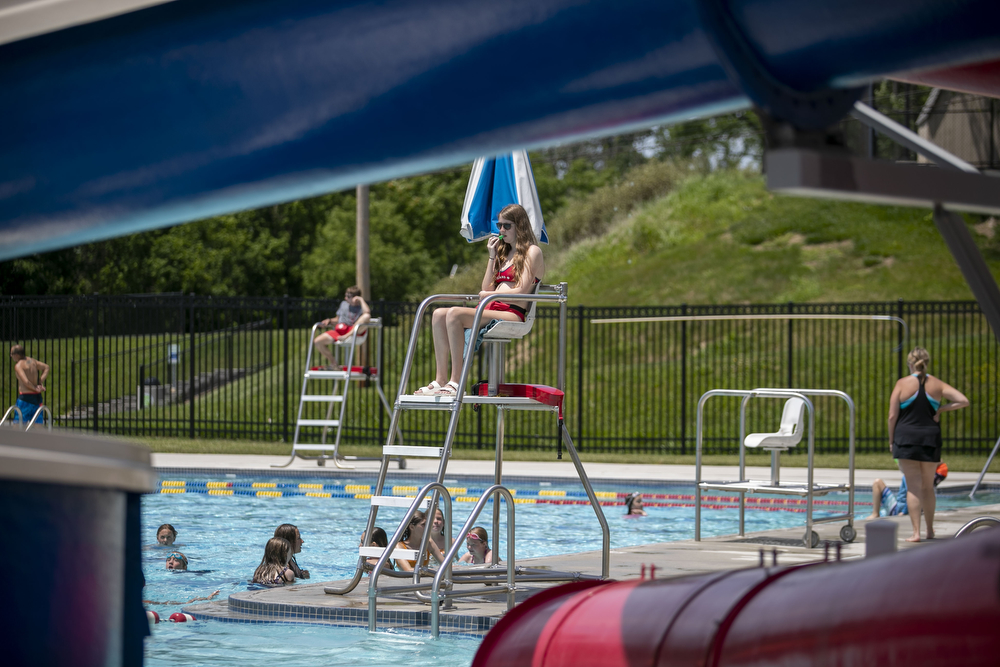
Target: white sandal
[
  {"x": 450, "y": 389},
  {"x": 430, "y": 390}
]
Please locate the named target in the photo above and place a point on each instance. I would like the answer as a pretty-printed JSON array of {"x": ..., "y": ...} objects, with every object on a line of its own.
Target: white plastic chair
[
  {"x": 505, "y": 330},
  {"x": 789, "y": 433}
]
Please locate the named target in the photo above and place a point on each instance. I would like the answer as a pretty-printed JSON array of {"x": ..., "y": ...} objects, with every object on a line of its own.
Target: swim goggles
[
  {"x": 472, "y": 536},
  {"x": 177, "y": 556}
]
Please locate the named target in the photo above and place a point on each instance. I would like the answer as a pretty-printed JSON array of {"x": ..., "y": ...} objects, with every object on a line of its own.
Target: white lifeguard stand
[
  {"x": 342, "y": 374},
  {"x": 499, "y": 578}
]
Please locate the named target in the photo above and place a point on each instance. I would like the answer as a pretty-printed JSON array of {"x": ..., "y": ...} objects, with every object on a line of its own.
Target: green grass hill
[{"x": 666, "y": 236}]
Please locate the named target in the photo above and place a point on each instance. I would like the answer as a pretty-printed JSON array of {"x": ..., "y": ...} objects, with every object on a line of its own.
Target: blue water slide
[{"x": 193, "y": 108}]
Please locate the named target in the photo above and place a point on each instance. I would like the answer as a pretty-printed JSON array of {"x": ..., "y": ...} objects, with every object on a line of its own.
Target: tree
[{"x": 400, "y": 263}]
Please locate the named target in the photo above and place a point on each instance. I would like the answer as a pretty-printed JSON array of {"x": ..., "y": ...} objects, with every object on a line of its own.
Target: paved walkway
[{"x": 551, "y": 470}]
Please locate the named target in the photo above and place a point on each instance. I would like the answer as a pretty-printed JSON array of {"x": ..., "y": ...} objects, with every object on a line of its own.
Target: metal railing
[
  {"x": 632, "y": 387},
  {"x": 492, "y": 493}
]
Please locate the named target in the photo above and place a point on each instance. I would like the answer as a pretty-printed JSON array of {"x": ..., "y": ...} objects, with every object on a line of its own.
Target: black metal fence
[{"x": 194, "y": 366}]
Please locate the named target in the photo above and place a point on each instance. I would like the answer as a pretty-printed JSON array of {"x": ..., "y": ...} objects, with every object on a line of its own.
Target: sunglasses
[{"x": 505, "y": 225}]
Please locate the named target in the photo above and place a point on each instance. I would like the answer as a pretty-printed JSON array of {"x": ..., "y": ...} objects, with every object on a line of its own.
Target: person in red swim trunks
[{"x": 514, "y": 267}]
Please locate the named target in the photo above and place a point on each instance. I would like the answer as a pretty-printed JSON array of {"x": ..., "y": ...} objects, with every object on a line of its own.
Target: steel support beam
[
  {"x": 906, "y": 137},
  {"x": 970, "y": 261}
]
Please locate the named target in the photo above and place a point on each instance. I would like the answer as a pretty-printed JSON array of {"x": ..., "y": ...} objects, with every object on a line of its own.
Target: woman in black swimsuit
[
  {"x": 515, "y": 265},
  {"x": 915, "y": 409}
]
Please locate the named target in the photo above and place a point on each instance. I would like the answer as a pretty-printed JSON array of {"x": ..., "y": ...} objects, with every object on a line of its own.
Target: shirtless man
[{"x": 31, "y": 375}]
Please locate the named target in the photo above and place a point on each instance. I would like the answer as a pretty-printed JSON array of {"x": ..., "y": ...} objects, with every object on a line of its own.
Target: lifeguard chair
[
  {"x": 500, "y": 578},
  {"x": 343, "y": 373}
]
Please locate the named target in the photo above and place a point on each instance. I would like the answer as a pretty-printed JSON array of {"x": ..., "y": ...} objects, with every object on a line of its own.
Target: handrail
[
  {"x": 978, "y": 522},
  {"x": 13, "y": 408},
  {"x": 763, "y": 316},
  {"x": 398, "y": 535},
  {"x": 453, "y": 551},
  {"x": 45, "y": 411}
]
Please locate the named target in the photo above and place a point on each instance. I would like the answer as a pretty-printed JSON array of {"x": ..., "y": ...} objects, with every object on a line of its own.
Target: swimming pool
[{"x": 223, "y": 536}]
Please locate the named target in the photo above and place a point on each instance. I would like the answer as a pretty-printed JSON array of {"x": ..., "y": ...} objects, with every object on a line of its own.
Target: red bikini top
[{"x": 506, "y": 276}]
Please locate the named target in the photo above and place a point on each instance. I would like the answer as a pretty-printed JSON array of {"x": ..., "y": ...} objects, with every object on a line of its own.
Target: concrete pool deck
[{"x": 308, "y": 603}]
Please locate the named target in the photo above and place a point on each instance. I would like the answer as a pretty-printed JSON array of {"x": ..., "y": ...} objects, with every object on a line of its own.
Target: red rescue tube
[{"x": 935, "y": 605}]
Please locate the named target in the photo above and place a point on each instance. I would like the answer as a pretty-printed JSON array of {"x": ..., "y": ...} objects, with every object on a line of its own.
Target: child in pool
[
  {"x": 478, "y": 544},
  {"x": 177, "y": 561},
  {"x": 273, "y": 569},
  {"x": 379, "y": 539},
  {"x": 633, "y": 502},
  {"x": 290, "y": 533},
  {"x": 165, "y": 535}
]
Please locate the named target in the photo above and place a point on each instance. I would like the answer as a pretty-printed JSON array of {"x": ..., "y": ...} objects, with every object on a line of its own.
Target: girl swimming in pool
[
  {"x": 633, "y": 502},
  {"x": 411, "y": 540},
  {"x": 291, "y": 533},
  {"x": 478, "y": 544},
  {"x": 165, "y": 535},
  {"x": 273, "y": 569},
  {"x": 379, "y": 539},
  {"x": 514, "y": 267},
  {"x": 177, "y": 561}
]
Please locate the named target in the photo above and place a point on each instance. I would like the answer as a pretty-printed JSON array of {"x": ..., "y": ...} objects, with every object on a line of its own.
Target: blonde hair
[
  {"x": 525, "y": 238},
  {"x": 919, "y": 360},
  {"x": 277, "y": 553}
]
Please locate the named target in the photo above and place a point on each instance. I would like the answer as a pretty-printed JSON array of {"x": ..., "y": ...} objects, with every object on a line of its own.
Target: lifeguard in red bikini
[{"x": 515, "y": 266}]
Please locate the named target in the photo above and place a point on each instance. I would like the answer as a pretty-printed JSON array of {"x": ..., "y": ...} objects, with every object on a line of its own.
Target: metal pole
[
  {"x": 975, "y": 487},
  {"x": 561, "y": 369},
  {"x": 284, "y": 378},
  {"x": 791, "y": 348},
  {"x": 743, "y": 462},
  {"x": 579, "y": 375},
  {"x": 191, "y": 369},
  {"x": 95, "y": 367},
  {"x": 605, "y": 531},
  {"x": 684, "y": 381},
  {"x": 363, "y": 254},
  {"x": 970, "y": 261}
]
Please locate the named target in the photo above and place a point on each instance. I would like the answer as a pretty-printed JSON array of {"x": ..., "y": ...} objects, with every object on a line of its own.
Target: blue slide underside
[{"x": 194, "y": 108}]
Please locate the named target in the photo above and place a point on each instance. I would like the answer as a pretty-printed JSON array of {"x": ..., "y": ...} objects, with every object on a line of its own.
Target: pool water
[{"x": 223, "y": 538}]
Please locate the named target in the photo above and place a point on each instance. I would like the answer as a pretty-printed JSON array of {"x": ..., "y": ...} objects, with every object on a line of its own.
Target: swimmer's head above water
[
  {"x": 166, "y": 534},
  {"x": 177, "y": 561}
]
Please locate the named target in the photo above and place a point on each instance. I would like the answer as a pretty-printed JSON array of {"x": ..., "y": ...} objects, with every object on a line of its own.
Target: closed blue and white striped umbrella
[{"x": 496, "y": 182}]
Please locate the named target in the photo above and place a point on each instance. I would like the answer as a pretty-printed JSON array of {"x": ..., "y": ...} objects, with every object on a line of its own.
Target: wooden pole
[{"x": 363, "y": 240}]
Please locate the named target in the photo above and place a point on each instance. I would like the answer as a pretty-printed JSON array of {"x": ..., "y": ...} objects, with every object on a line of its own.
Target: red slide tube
[{"x": 934, "y": 605}]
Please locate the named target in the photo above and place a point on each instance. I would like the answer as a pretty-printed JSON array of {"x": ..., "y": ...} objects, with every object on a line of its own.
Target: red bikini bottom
[{"x": 508, "y": 308}]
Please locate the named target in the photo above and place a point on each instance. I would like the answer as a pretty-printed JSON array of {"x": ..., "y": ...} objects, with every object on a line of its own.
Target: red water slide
[{"x": 934, "y": 605}]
